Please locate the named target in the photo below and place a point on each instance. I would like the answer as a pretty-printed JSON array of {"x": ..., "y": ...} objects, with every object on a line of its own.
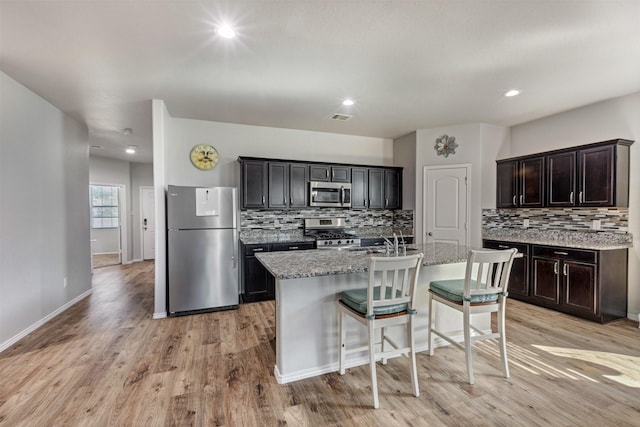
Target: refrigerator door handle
[{"x": 234, "y": 258}]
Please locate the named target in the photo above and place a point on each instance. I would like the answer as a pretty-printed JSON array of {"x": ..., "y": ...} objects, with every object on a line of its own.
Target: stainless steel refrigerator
[{"x": 202, "y": 253}]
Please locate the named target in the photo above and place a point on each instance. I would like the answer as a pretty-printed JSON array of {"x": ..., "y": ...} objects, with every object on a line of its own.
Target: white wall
[
  {"x": 478, "y": 145},
  {"x": 141, "y": 176},
  {"x": 131, "y": 176},
  {"x": 106, "y": 171},
  {"x": 615, "y": 118},
  {"x": 231, "y": 141},
  {"x": 44, "y": 211},
  {"x": 404, "y": 154},
  {"x": 173, "y": 139}
]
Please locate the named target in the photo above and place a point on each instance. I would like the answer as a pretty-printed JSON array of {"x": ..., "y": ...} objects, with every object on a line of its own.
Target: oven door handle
[{"x": 342, "y": 193}]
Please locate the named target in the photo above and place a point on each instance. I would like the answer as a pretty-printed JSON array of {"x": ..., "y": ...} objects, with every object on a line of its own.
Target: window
[{"x": 104, "y": 206}]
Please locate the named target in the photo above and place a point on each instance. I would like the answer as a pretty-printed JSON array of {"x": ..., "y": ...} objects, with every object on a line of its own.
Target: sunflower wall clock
[
  {"x": 204, "y": 157},
  {"x": 445, "y": 145}
]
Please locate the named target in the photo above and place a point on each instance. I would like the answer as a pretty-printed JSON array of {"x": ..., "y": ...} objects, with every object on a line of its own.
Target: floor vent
[{"x": 342, "y": 117}]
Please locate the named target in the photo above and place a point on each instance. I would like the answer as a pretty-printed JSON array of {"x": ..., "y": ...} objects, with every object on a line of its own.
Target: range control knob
[{"x": 339, "y": 242}]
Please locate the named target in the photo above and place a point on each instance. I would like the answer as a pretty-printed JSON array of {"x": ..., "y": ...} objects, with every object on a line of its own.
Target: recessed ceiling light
[
  {"x": 226, "y": 31},
  {"x": 512, "y": 92},
  {"x": 131, "y": 149},
  {"x": 347, "y": 102},
  {"x": 126, "y": 131}
]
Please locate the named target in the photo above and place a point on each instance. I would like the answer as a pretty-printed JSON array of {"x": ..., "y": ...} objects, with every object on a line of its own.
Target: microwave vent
[{"x": 341, "y": 117}]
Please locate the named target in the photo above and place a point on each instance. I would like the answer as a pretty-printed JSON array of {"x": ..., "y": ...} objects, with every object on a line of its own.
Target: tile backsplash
[
  {"x": 292, "y": 219},
  {"x": 612, "y": 220}
]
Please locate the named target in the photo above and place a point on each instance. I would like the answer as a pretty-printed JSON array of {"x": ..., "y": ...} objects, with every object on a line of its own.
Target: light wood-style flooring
[{"x": 106, "y": 362}]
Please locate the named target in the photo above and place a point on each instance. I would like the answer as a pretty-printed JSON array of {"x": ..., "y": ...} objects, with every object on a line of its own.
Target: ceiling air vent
[
  {"x": 98, "y": 147},
  {"x": 342, "y": 117}
]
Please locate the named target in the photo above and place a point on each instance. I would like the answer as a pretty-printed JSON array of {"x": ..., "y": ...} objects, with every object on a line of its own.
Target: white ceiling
[{"x": 408, "y": 64}]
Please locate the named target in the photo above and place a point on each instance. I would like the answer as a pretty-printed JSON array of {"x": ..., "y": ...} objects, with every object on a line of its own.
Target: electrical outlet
[
  {"x": 64, "y": 283},
  {"x": 370, "y": 221},
  {"x": 276, "y": 222},
  {"x": 526, "y": 223},
  {"x": 596, "y": 224}
]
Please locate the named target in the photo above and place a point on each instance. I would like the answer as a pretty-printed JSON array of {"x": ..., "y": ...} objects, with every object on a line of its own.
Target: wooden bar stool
[
  {"x": 387, "y": 301},
  {"x": 483, "y": 290}
]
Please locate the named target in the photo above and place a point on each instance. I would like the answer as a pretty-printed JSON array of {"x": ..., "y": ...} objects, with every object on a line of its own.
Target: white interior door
[
  {"x": 148, "y": 219},
  {"x": 446, "y": 201}
]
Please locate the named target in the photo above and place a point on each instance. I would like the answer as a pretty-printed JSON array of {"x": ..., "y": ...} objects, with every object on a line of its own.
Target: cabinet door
[
  {"x": 519, "y": 278},
  {"x": 580, "y": 291},
  {"x": 340, "y": 174},
  {"x": 298, "y": 185},
  {"x": 254, "y": 184},
  {"x": 532, "y": 182},
  {"x": 278, "y": 185},
  {"x": 596, "y": 181},
  {"x": 561, "y": 182},
  {"x": 319, "y": 173},
  {"x": 546, "y": 280},
  {"x": 359, "y": 188},
  {"x": 507, "y": 184},
  {"x": 392, "y": 189},
  {"x": 256, "y": 280},
  {"x": 376, "y": 188}
]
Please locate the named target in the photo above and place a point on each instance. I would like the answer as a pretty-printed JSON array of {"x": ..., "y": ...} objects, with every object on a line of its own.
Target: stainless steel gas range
[{"x": 330, "y": 234}]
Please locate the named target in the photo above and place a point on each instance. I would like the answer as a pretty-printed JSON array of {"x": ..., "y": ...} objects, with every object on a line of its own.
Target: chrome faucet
[
  {"x": 387, "y": 245},
  {"x": 395, "y": 243}
]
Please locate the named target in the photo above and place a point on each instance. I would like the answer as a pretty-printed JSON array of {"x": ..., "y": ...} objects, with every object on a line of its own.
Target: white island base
[{"x": 307, "y": 324}]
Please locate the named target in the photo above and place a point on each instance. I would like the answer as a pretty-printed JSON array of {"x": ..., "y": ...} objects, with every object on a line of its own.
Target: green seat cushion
[
  {"x": 356, "y": 299},
  {"x": 453, "y": 290}
]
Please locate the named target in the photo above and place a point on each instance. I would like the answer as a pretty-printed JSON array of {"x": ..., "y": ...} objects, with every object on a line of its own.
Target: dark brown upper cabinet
[
  {"x": 254, "y": 184},
  {"x": 278, "y": 185},
  {"x": 520, "y": 183},
  {"x": 298, "y": 185},
  {"x": 589, "y": 175},
  {"x": 359, "y": 188},
  {"x": 329, "y": 173},
  {"x": 561, "y": 179},
  {"x": 392, "y": 189}
]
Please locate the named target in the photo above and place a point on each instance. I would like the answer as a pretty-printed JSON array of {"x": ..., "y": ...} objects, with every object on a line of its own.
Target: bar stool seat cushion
[
  {"x": 453, "y": 290},
  {"x": 356, "y": 299}
]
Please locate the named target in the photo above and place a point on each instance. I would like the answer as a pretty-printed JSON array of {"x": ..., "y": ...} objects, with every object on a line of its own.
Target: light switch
[
  {"x": 596, "y": 224},
  {"x": 526, "y": 223}
]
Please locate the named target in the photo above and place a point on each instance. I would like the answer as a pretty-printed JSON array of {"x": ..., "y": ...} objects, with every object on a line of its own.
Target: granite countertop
[
  {"x": 565, "y": 238},
  {"x": 249, "y": 237},
  {"x": 319, "y": 262}
]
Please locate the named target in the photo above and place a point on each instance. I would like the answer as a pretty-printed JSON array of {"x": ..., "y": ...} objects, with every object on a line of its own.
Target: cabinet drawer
[
  {"x": 522, "y": 248},
  {"x": 292, "y": 246},
  {"x": 565, "y": 253},
  {"x": 252, "y": 249}
]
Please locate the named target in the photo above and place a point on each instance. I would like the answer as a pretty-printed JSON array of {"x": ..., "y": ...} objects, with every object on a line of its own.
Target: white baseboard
[
  {"x": 353, "y": 362},
  {"x": 635, "y": 317},
  {"x": 5, "y": 345},
  {"x": 160, "y": 315},
  {"x": 105, "y": 253}
]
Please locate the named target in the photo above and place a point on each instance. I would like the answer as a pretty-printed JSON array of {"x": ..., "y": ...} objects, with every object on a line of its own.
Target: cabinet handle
[
  {"x": 555, "y": 267},
  {"x": 291, "y": 248},
  {"x": 326, "y": 173},
  {"x": 386, "y": 202},
  {"x": 514, "y": 200},
  {"x": 565, "y": 268},
  {"x": 521, "y": 199},
  {"x": 290, "y": 200},
  {"x": 580, "y": 197},
  {"x": 333, "y": 174},
  {"x": 262, "y": 200},
  {"x": 503, "y": 246},
  {"x": 560, "y": 253},
  {"x": 571, "y": 197},
  {"x": 258, "y": 249}
]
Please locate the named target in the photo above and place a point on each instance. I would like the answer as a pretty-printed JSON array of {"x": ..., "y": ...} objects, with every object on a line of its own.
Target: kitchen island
[{"x": 307, "y": 284}]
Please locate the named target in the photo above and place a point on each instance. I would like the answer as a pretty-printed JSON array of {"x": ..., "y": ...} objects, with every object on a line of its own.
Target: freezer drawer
[{"x": 203, "y": 269}]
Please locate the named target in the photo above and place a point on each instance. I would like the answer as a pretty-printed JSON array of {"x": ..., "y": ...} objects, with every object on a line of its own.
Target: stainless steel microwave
[{"x": 331, "y": 194}]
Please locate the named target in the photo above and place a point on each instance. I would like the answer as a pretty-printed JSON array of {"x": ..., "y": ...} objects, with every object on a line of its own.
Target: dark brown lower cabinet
[
  {"x": 257, "y": 283},
  {"x": 588, "y": 283},
  {"x": 519, "y": 280}
]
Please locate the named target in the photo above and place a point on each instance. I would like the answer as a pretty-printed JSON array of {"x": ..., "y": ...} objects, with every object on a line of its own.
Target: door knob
[{"x": 429, "y": 234}]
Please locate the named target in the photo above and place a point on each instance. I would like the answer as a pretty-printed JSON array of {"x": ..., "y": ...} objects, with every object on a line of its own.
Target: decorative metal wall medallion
[{"x": 445, "y": 145}]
